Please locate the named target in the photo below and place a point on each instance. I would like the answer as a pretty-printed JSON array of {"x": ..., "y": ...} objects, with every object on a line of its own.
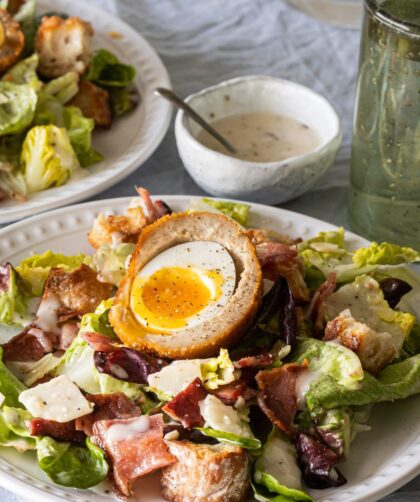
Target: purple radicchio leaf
[
  {"x": 127, "y": 364},
  {"x": 317, "y": 463},
  {"x": 394, "y": 289},
  {"x": 5, "y": 275}
]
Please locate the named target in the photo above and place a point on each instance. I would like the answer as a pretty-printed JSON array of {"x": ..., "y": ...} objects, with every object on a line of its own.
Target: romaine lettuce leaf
[
  {"x": 13, "y": 183},
  {"x": 98, "y": 320},
  {"x": 64, "y": 87},
  {"x": 384, "y": 254},
  {"x": 106, "y": 70},
  {"x": 14, "y": 431},
  {"x": 13, "y": 308},
  {"x": 24, "y": 72},
  {"x": 80, "y": 129},
  {"x": 30, "y": 372},
  {"x": 49, "y": 110},
  {"x": 10, "y": 386},
  {"x": 217, "y": 371},
  {"x": 34, "y": 270},
  {"x": 228, "y": 437},
  {"x": 235, "y": 210},
  {"x": 366, "y": 302},
  {"x": 396, "y": 381},
  {"x": 70, "y": 465},
  {"x": 329, "y": 358},
  {"x": 17, "y": 107},
  {"x": 111, "y": 260},
  {"x": 48, "y": 158},
  {"x": 412, "y": 342},
  {"x": 122, "y": 100},
  {"x": 277, "y": 476}
]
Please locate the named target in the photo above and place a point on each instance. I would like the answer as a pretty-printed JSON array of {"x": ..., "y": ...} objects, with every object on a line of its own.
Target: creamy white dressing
[
  {"x": 124, "y": 431},
  {"x": 47, "y": 314},
  {"x": 303, "y": 384},
  {"x": 262, "y": 136},
  {"x": 117, "y": 370}
]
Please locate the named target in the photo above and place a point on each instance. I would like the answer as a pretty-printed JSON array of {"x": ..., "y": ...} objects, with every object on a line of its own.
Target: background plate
[
  {"x": 132, "y": 138},
  {"x": 380, "y": 461}
]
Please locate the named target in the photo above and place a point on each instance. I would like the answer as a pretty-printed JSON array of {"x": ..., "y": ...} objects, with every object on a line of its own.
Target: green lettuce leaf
[
  {"x": 71, "y": 465},
  {"x": 412, "y": 342},
  {"x": 396, "y": 381},
  {"x": 14, "y": 431},
  {"x": 49, "y": 110},
  {"x": 80, "y": 129},
  {"x": 249, "y": 443},
  {"x": 110, "y": 261},
  {"x": 277, "y": 476},
  {"x": 13, "y": 294},
  {"x": 235, "y": 210},
  {"x": 17, "y": 107},
  {"x": 64, "y": 88},
  {"x": 384, "y": 254},
  {"x": 217, "y": 371},
  {"x": 332, "y": 242},
  {"x": 34, "y": 270},
  {"x": 31, "y": 372},
  {"x": 48, "y": 158},
  {"x": 98, "y": 321},
  {"x": 106, "y": 70},
  {"x": 329, "y": 358},
  {"x": 24, "y": 72},
  {"x": 10, "y": 386},
  {"x": 122, "y": 100},
  {"x": 367, "y": 304}
]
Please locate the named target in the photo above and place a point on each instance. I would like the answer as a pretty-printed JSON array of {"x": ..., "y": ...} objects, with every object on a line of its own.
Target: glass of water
[{"x": 384, "y": 200}]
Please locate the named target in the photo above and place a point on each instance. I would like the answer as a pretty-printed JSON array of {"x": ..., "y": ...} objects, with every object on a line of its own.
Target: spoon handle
[{"x": 173, "y": 98}]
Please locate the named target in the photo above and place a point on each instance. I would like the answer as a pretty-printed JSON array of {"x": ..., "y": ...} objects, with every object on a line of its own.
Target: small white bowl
[{"x": 268, "y": 182}]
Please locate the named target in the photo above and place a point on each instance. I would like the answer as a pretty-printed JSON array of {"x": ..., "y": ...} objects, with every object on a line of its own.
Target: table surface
[{"x": 202, "y": 43}]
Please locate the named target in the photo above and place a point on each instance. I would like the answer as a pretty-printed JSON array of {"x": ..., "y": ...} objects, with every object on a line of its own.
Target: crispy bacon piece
[
  {"x": 107, "y": 407},
  {"x": 135, "y": 447},
  {"x": 155, "y": 210},
  {"x": 98, "y": 342},
  {"x": 28, "y": 346},
  {"x": 292, "y": 271},
  {"x": 78, "y": 292},
  {"x": 93, "y": 101},
  {"x": 261, "y": 360},
  {"x": 277, "y": 394},
  {"x": 231, "y": 392},
  {"x": 274, "y": 252},
  {"x": 60, "y": 431},
  {"x": 326, "y": 289},
  {"x": 184, "y": 406}
]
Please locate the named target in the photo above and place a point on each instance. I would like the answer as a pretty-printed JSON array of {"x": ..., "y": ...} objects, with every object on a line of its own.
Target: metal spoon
[{"x": 176, "y": 100}]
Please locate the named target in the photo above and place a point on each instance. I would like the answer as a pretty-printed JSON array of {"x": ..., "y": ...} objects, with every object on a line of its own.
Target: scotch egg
[{"x": 194, "y": 285}]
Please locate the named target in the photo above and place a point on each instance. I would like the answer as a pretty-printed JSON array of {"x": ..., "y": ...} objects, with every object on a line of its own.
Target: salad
[
  {"x": 270, "y": 415},
  {"x": 54, "y": 92}
]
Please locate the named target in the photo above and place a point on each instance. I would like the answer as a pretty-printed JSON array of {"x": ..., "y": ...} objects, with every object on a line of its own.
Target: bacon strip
[
  {"x": 255, "y": 361},
  {"x": 107, "y": 407},
  {"x": 231, "y": 392},
  {"x": 277, "y": 395},
  {"x": 28, "y": 346},
  {"x": 135, "y": 447},
  {"x": 98, "y": 342},
  {"x": 60, "y": 431},
  {"x": 274, "y": 252},
  {"x": 155, "y": 210},
  {"x": 184, "y": 406},
  {"x": 326, "y": 289}
]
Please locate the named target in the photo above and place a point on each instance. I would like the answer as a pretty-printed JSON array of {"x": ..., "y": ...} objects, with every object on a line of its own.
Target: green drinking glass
[{"x": 384, "y": 202}]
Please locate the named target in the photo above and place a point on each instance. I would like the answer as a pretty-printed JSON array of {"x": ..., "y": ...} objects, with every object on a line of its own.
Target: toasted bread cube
[
  {"x": 94, "y": 103},
  {"x": 205, "y": 473},
  {"x": 375, "y": 350},
  {"x": 63, "y": 45}
]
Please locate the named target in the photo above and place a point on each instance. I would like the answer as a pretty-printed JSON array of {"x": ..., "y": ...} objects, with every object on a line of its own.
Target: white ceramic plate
[
  {"x": 132, "y": 138},
  {"x": 380, "y": 461},
  {"x": 345, "y": 13}
]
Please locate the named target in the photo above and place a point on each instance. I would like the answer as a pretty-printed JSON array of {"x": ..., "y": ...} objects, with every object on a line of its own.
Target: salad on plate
[
  {"x": 232, "y": 361},
  {"x": 55, "y": 91}
]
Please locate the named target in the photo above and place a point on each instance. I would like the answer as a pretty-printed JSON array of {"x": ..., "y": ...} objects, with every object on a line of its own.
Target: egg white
[{"x": 202, "y": 257}]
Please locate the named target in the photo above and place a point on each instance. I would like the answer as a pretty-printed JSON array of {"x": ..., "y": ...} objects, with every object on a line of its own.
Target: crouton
[
  {"x": 375, "y": 350},
  {"x": 63, "y": 45},
  {"x": 94, "y": 103},
  {"x": 205, "y": 473},
  {"x": 12, "y": 41}
]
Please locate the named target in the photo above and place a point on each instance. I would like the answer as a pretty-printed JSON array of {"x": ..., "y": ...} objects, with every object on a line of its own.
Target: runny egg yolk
[{"x": 171, "y": 295}]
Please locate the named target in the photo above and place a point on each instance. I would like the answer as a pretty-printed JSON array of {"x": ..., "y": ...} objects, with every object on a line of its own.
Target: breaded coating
[
  {"x": 63, "y": 45},
  {"x": 94, "y": 103},
  {"x": 375, "y": 350},
  {"x": 205, "y": 473},
  {"x": 79, "y": 292},
  {"x": 12, "y": 41},
  {"x": 117, "y": 228}
]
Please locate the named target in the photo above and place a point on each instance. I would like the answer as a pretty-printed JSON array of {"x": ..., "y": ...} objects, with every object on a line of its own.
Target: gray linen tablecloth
[{"x": 205, "y": 41}]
